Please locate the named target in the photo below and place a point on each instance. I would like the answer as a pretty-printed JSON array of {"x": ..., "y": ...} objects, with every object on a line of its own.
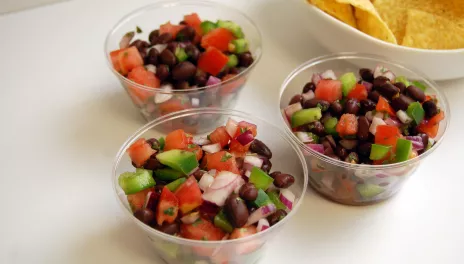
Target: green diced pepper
[
  {"x": 274, "y": 197},
  {"x": 206, "y": 26},
  {"x": 262, "y": 199},
  {"x": 306, "y": 116},
  {"x": 348, "y": 82},
  {"x": 416, "y": 112},
  {"x": 402, "y": 79},
  {"x": 172, "y": 186},
  {"x": 233, "y": 61},
  {"x": 379, "y": 152},
  {"x": 133, "y": 182},
  {"x": 238, "y": 46},
  {"x": 419, "y": 85},
  {"x": 168, "y": 174},
  {"x": 260, "y": 179},
  {"x": 221, "y": 221},
  {"x": 330, "y": 126},
  {"x": 179, "y": 160},
  {"x": 368, "y": 191},
  {"x": 232, "y": 27},
  {"x": 403, "y": 150},
  {"x": 162, "y": 142},
  {"x": 180, "y": 54}
]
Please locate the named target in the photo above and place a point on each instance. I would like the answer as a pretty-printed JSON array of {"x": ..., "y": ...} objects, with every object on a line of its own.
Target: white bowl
[{"x": 337, "y": 37}]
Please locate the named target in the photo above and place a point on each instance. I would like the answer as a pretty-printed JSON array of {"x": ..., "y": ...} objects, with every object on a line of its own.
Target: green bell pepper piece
[
  {"x": 348, "y": 82},
  {"x": 402, "y": 79},
  {"x": 274, "y": 197},
  {"x": 260, "y": 179},
  {"x": 232, "y": 27},
  {"x": 180, "y": 54},
  {"x": 368, "y": 191},
  {"x": 330, "y": 126},
  {"x": 221, "y": 221},
  {"x": 206, "y": 26},
  {"x": 416, "y": 112},
  {"x": 172, "y": 186},
  {"x": 233, "y": 61},
  {"x": 162, "y": 142},
  {"x": 168, "y": 174},
  {"x": 403, "y": 150},
  {"x": 238, "y": 46},
  {"x": 306, "y": 116},
  {"x": 262, "y": 199},
  {"x": 419, "y": 85},
  {"x": 133, "y": 182},
  {"x": 378, "y": 152}
]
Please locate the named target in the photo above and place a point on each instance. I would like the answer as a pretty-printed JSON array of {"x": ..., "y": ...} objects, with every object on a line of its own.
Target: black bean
[
  {"x": 248, "y": 192},
  {"x": 336, "y": 108},
  {"x": 413, "y": 131},
  {"x": 312, "y": 103},
  {"x": 374, "y": 96},
  {"x": 331, "y": 140},
  {"x": 415, "y": 93},
  {"x": 309, "y": 87},
  {"x": 400, "y": 86},
  {"x": 341, "y": 152},
  {"x": 401, "y": 102},
  {"x": 200, "y": 78},
  {"x": 154, "y": 143},
  {"x": 164, "y": 38},
  {"x": 380, "y": 81},
  {"x": 317, "y": 128},
  {"x": 167, "y": 57},
  {"x": 170, "y": 229},
  {"x": 367, "y": 105},
  {"x": 198, "y": 174},
  {"x": 183, "y": 71},
  {"x": 234, "y": 70},
  {"x": 152, "y": 57},
  {"x": 425, "y": 139},
  {"x": 388, "y": 90},
  {"x": 237, "y": 210},
  {"x": 153, "y": 37},
  {"x": 245, "y": 59},
  {"x": 276, "y": 217},
  {"x": 352, "y": 158},
  {"x": 296, "y": 99},
  {"x": 162, "y": 72},
  {"x": 363, "y": 128},
  {"x": 182, "y": 85},
  {"x": 172, "y": 46},
  {"x": 274, "y": 174},
  {"x": 145, "y": 215},
  {"x": 364, "y": 149},
  {"x": 192, "y": 52},
  {"x": 352, "y": 106},
  {"x": 152, "y": 164},
  {"x": 283, "y": 180},
  {"x": 325, "y": 117},
  {"x": 327, "y": 147},
  {"x": 430, "y": 108},
  {"x": 267, "y": 165},
  {"x": 182, "y": 22},
  {"x": 258, "y": 147},
  {"x": 186, "y": 34},
  {"x": 141, "y": 45},
  {"x": 366, "y": 74}
]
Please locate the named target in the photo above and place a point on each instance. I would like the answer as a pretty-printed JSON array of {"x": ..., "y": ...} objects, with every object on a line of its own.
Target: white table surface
[{"x": 63, "y": 119}]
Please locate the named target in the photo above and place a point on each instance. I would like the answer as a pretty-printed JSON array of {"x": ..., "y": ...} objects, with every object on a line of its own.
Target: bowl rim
[
  {"x": 355, "y": 55},
  {"x": 375, "y": 40},
  {"x": 169, "y": 4},
  {"x": 208, "y": 110}
]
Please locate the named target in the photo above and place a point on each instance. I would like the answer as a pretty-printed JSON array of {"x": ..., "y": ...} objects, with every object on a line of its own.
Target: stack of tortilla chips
[{"x": 425, "y": 24}]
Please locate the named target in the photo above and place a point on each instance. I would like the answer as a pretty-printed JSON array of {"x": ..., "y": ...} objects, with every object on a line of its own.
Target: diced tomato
[
  {"x": 431, "y": 126},
  {"x": 114, "y": 59},
  {"x": 137, "y": 200},
  {"x": 202, "y": 229},
  {"x": 140, "y": 151},
  {"x": 329, "y": 90},
  {"x": 359, "y": 92},
  {"x": 244, "y": 126},
  {"x": 168, "y": 207},
  {"x": 387, "y": 135},
  {"x": 222, "y": 161},
  {"x": 384, "y": 106},
  {"x": 348, "y": 125},
  {"x": 243, "y": 232},
  {"x": 237, "y": 149},
  {"x": 141, "y": 76},
  {"x": 128, "y": 59},
  {"x": 212, "y": 61},
  {"x": 189, "y": 195},
  {"x": 177, "y": 139},
  {"x": 172, "y": 105},
  {"x": 195, "y": 149},
  {"x": 194, "y": 21},
  {"x": 220, "y": 135},
  {"x": 231, "y": 87},
  {"x": 170, "y": 28},
  {"x": 218, "y": 38}
]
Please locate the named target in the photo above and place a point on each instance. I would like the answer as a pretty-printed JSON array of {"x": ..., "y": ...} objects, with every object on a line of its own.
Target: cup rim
[
  {"x": 356, "y": 55},
  {"x": 207, "y": 110},
  {"x": 169, "y": 4}
]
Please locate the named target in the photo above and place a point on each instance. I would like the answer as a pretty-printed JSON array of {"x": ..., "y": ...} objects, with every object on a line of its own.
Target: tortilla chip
[
  {"x": 342, "y": 12},
  {"x": 429, "y": 31},
  {"x": 369, "y": 21},
  {"x": 394, "y": 15}
]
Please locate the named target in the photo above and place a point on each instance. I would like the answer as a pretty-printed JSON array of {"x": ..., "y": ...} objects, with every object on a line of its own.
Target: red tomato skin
[
  {"x": 201, "y": 230},
  {"x": 329, "y": 90},
  {"x": 218, "y": 38},
  {"x": 220, "y": 135},
  {"x": 140, "y": 151},
  {"x": 168, "y": 207},
  {"x": 212, "y": 61},
  {"x": 189, "y": 195},
  {"x": 221, "y": 161},
  {"x": 176, "y": 139}
]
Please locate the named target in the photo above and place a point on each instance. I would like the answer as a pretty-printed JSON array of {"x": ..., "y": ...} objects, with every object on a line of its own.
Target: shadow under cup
[
  {"x": 357, "y": 184},
  {"x": 287, "y": 157},
  {"x": 153, "y": 103}
]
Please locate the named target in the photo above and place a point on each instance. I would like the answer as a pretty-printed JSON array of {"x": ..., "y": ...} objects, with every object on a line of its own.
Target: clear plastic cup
[
  {"x": 357, "y": 184},
  {"x": 287, "y": 157},
  {"x": 148, "y": 18}
]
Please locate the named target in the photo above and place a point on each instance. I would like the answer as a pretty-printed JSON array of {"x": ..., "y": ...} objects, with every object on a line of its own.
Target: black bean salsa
[{"x": 378, "y": 118}]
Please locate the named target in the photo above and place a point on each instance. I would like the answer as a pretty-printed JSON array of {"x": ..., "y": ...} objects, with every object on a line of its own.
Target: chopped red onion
[
  {"x": 190, "y": 218},
  {"x": 308, "y": 96},
  {"x": 260, "y": 213},
  {"x": 212, "y": 148},
  {"x": 303, "y": 137},
  {"x": 200, "y": 140},
  {"x": 403, "y": 117},
  {"x": 245, "y": 138},
  {"x": 263, "y": 224},
  {"x": 213, "y": 81},
  {"x": 195, "y": 102},
  {"x": 316, "y": 78},
  {"x": 392, "y": 122},
  {"x": 329, "y": 74},
  {"x": 247, "y": 173},
  {"x": 147, "y": 199},
  {"x": 231, "y": 127},
  {"x": 382, "y": 71},
  {"x": 223, "y": 185},
  {"x": 239, "y": 184},
  {"x": 126, "y": 39},
  {"x": 205, "y": 181},
  {"x": 375, "y": 122},
  {"x": 379, "y": 115},
  {"x": 253, "y": 161},
  {"x": 349, "y": 143},
  {"x": 417, "y": 142},
  {"x": 193, "y": 171},
  {"x": 369, "y": 115},
  {"x": 368, "y": 85},
  {"x": 164, "y": 94},
  {"x": 159, "y": 47},
  {"x": 212, "y": 172},
  {"x": 150, "y": 68},
  {"x": 291, "y": 109},
  {"x": 287, "y": 198},
  {"x": 316, "y": 147}
]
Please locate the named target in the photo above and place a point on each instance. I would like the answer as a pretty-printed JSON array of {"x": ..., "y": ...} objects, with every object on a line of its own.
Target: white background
[{"x": 63, "y": 117}]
